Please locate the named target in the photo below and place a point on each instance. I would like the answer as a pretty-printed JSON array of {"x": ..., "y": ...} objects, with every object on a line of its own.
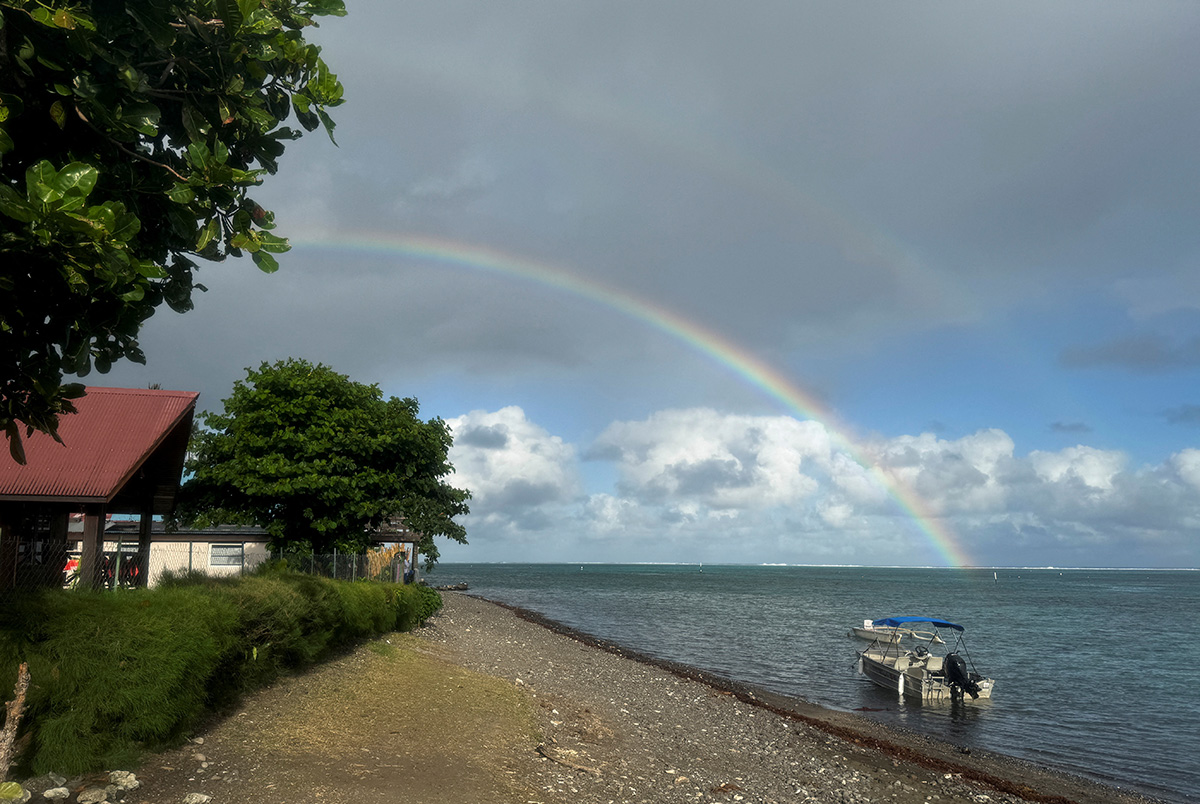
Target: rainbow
[{"x": 708, "y": 343}]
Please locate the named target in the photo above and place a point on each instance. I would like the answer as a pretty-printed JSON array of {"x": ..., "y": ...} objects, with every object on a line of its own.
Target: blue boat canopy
[{"x": 896, "y": 622}]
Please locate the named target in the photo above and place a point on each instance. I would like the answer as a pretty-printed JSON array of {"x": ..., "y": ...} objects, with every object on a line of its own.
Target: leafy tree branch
[{"x": 132, "y": 133}]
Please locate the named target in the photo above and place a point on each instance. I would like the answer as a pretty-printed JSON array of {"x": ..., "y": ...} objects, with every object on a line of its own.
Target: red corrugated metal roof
[{"x": 113, "y": 433}]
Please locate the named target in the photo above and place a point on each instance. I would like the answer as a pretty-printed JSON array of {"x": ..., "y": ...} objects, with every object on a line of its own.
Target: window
[{"x": 225, "y": 555}]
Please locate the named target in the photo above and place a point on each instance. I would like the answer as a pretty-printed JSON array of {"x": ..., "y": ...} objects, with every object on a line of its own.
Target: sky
[{"x": 801, "y": 282}]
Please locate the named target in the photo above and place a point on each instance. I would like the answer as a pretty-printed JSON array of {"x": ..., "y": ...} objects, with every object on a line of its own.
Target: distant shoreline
[{"x": 447, "y": 563}]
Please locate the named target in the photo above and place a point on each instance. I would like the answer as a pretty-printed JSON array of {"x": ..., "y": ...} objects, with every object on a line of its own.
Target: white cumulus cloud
[{"x": 697, "y": 484}]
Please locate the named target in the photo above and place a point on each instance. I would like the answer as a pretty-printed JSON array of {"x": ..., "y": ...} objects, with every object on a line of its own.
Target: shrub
[{"x": 117, "y": 672}]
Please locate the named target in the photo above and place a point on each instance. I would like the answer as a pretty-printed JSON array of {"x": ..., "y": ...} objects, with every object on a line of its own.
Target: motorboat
[
  {"x": 921, "y": 673},
  {"x": 870, "y": 632}
]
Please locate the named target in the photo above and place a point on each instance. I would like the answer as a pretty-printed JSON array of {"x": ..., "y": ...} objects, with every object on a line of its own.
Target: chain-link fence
[{"x": 45, "y": 564}]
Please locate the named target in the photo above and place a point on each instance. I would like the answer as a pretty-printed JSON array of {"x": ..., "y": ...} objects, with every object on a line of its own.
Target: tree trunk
[{"x": 12, "y": 720}]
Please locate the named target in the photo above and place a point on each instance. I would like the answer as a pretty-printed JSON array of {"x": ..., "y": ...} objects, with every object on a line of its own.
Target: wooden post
[
  {"x": 145, "y": 540},
  {"x": 54, "y": 552},
  {"x": 91, "y": 557},
  {"x": 8, "y": 548}
]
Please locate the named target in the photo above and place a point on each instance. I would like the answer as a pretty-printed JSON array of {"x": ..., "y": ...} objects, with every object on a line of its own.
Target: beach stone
[
  {"x": 56, "y": 794},
  {"x": 196, "y": 798},
  {"x": 124, "y": 780},
  {"x": 93, "y": 795}
]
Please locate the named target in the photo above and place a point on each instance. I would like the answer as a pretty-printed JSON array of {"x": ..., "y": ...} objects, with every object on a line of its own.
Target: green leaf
[
  {"x": 10, "y": 106},
  {"x": 328, "y": 8},
  {"x": 17, "y": 450},
  {"x": 142, "y": 117},
  {"x": 14, "y": 206},
  {"x": 262, "y": 22},
  {"x": 6, "y": 143},
  {"x": 207, "y": 233},
  {"x": 230, "y": 13},
  {"x": 127, "y": 225},
  {"x": 180, "y": 193},
  {"x": 77, "y": 178},
  {"x": 265, "y": 262},
  {"x": 327, "y": 121},
  {"x": 103, "y": 217},
  {"x": 263, "y": 119},
  {"x": 135, "y": 295},
  {"x": 273, "y": 243},
  {"x": 37, "y": 181},
  {"x": 199, "y": 155},
  {"x": 195, "y": 124},
  {"x": 58, "y": 114}
]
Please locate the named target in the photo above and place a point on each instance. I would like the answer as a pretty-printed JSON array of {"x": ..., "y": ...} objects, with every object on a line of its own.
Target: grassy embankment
[{"x": 115, "y": 673}]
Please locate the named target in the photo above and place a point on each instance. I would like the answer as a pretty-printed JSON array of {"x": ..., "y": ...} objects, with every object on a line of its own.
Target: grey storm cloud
[
  {"x": 705, "y": 477},
  {"x": 1141, "y": 353},
  {"x": 485, "y": 437},
  {"x": 1183, "y": 414},
  {"x": 905, "y": 213}
]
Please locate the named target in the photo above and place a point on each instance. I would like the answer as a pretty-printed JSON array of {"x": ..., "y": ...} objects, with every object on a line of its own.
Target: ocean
[{"x": 1096, "y": 670}]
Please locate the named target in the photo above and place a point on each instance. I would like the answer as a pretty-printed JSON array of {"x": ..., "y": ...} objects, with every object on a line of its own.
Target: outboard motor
[{"x": 955, "y": 669}]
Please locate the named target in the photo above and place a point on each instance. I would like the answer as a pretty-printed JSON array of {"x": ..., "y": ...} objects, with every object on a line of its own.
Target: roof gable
[{"x": 121, "y": 441}]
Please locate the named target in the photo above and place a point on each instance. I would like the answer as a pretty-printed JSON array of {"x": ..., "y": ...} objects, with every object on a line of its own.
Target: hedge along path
[{"x": 386, "y": 723}]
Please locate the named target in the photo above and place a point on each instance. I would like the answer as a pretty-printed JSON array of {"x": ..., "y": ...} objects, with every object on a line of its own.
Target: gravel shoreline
[
  {"x": 492, "y": 704},
  {"x": 659, "y": 731}
]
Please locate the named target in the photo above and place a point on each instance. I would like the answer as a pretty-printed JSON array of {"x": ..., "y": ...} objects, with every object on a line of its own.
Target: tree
[
  {"x": 317, "y": 460},
  {"x": 131, "y": 132}
]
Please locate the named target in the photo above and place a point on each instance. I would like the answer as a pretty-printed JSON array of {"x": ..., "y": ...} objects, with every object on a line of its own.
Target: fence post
[{"x": 335, "y": 563}]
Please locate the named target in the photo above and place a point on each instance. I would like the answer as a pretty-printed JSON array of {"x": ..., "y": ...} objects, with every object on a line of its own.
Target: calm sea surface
[{"x": 1096, "y": 671}]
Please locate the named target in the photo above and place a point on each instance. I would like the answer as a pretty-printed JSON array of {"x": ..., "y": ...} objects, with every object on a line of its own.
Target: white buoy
[{"x": 900, "y": 684}]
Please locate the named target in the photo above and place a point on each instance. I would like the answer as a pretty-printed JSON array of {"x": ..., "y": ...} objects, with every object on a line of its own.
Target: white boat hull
[
  {"x": 875, "y": 634},
  {"x": 915, "y": 679},
  {"x": 872, "y": 633}
]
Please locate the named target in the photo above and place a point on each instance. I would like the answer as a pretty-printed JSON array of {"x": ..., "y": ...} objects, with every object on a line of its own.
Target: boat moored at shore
[{"x": 919, "y": 672}]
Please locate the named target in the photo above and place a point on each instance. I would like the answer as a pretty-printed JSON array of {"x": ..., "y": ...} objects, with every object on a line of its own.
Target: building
[{"x": 122, "y": 452}]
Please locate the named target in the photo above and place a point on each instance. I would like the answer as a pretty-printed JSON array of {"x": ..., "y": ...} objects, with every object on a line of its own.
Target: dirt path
[{"x": 384, "y": 724}]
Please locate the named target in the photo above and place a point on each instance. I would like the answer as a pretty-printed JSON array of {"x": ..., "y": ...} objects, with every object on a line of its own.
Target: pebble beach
[{"x": 490, "y": 704}]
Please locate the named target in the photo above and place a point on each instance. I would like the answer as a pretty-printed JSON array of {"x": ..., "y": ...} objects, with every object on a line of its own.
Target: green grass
[{"x": 114, "y": 673}]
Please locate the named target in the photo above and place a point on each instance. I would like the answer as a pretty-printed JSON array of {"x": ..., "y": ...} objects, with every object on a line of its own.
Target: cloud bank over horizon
[{"x": 733, "y": 488}]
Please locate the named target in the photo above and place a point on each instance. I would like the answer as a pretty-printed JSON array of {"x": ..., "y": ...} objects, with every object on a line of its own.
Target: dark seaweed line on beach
[{"x": 779, "y": 705}]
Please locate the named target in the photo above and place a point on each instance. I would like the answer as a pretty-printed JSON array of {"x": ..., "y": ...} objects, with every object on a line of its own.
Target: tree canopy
[
  {"x": 131, "y": 132},
  {"x": 317, "y": 460}
]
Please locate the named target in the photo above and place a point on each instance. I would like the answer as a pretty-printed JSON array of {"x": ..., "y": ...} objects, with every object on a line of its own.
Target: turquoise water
[{"x": 1095, "y": 670}]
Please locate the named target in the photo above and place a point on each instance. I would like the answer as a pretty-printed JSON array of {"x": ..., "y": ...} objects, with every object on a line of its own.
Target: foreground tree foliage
[
  {"x": 131, "y": 132},
  {"x": 317, "y": 459}
]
